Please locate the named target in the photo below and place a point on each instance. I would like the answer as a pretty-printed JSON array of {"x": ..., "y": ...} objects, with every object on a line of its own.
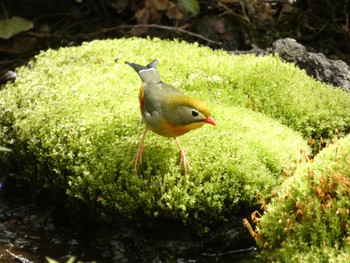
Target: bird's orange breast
[{"x": 168, "y": 130}]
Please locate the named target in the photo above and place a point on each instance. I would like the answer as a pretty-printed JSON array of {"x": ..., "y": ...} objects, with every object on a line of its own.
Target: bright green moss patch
[
  {"x": 310, "y": 217},
  {"x": 229, "y": 165},
  {"x": 72, "y": 116}
]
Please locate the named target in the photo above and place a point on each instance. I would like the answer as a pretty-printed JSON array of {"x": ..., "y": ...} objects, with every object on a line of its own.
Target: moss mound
[
  {"x": 72, "y": 116},
  {"x": 309, "y": 220}
]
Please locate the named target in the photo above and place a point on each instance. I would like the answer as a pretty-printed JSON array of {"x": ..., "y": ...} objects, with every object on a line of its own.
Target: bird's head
[{"x": 187, "y": 111}]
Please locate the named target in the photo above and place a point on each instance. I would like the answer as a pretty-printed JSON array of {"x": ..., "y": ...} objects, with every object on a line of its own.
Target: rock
[
  {"x": 334, "y": 72},
  {"x": 9, "y": 76},
  {"x": 317, "y": 65}
]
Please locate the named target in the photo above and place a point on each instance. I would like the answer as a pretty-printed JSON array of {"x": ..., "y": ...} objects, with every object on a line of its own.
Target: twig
[
  {"x": 19, "y": 258},
  {"x": 110, "y": 29},
  {"x": 243, "y": 10},
  {"x": 160, "y": 27}
]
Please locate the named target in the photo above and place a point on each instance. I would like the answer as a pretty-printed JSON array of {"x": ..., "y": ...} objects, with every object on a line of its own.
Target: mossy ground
[
  {"x": 72, "y": 121},
  {"x": 309, "y": 220}
]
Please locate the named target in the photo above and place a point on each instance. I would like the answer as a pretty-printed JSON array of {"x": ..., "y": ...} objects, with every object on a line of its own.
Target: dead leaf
[
  {"x": 287, "y": 7},
  {"x": 159, "y": 4},
  {"x": 120, "y": 5},
  {"x": 174, "y": 12},
  {"x": 219, "y": 26},
  {"x": 142, "y": 16}
]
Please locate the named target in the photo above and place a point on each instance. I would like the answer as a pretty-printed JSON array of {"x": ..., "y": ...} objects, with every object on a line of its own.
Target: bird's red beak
[{"x": 210, "y": 120}]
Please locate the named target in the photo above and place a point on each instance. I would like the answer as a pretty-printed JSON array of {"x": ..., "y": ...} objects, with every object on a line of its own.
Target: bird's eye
[{"x": 194, "y": 113}]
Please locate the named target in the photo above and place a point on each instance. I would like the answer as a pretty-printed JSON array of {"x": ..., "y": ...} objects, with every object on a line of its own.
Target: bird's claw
[
  {"x": 137, "y": 159},
  {"x": 138, "y": 155}
]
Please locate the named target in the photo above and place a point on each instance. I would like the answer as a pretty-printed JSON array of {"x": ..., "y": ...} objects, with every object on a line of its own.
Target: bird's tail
[{"x": 148, "y": 74}]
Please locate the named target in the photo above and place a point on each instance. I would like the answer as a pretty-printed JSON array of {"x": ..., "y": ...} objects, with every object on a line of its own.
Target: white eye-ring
[{"x": 194, "y": 113}]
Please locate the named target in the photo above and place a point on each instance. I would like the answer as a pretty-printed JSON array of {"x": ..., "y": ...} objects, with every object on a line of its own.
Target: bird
[{"x": 167, "y": 111}]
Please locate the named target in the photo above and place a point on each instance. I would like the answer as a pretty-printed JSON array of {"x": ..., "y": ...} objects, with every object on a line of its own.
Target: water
[{"x": 31, "y": 235}]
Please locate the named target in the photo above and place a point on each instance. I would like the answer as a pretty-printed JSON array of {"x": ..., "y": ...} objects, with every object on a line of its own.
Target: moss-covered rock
[
  {"x": 309, "y": 220},
  {"x": 72, "y": 121}
]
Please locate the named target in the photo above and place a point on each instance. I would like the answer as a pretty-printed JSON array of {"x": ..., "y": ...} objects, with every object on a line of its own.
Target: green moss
[
  {"x": 4, "y": 149},
  {"x": 72, "y": 118},
  {"x": 312, "y": 209}
]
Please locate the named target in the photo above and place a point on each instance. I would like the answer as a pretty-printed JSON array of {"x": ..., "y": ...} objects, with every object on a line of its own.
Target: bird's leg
[
  {"x": 138, "y": 155},
  {"x": 184, "y": 161}
]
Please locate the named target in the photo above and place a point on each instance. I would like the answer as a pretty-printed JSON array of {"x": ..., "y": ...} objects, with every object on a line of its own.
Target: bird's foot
[
  {"x": 138, "y": 155},
  {"x": 137, "y": 159},
  {"x": 184, "y": 161}
]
